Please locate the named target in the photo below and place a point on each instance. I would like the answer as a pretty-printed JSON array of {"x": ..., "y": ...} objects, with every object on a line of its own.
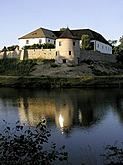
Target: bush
[
  {"x": 119, "y": 57},
  {"x": 88, "y": 61},
  {"x": 113, "y": 155},
  {"x": 53, "y": 65},
  {"x": 40, "y": 46},
  {"x": 24, "y": 144},
  {"x": 16, "y": 67},
  {"x": 11, "y": 48},
  {"x": 98, "y": 72}
]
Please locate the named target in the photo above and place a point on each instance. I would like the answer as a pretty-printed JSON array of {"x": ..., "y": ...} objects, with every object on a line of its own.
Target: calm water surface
[{"x": 84, "y": 120}]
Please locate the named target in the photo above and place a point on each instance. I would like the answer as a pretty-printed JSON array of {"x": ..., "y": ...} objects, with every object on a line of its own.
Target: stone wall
[
  {"x": 30, "y": 54},
  {"x": 97, "y": 56},
  {"x": 11, "y": 54},
  {"x": 39, "y": 53},
  {"x": 50, "y": 54}
]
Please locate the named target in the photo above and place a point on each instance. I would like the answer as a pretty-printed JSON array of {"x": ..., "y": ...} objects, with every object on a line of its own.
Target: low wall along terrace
[
  {"x": 11, "y": 54},
  {"x": 97, "y": 56},
  {"x": 38, "y": 54},
  {"x": 50, "y": 54},
  {"x": 30, "y": 54}
]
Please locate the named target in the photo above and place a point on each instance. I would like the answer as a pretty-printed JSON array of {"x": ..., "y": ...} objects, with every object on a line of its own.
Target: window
[
  {"x": 59, "y": 43},
  {"x": 64, "y": 61},
  {"x": 54, "y": 42},
  {"x": 27, "y": 41},
  {"x": 40, "y": 41},
  {"x": 73, "y": 43},
  {"x": 56, "y": 53},
  {"x": 98, "y": 45},
  {"x": 102, "y": 47},
  {"x": 69, "y": 52},
  {"x": 48, "y": 40}
]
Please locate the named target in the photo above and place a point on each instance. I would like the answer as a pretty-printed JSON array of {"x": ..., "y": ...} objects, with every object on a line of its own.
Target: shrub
[
  {"x": 48, "y": 46},
  {"x": 16, "y": 67},
  {"x": 24, "y": 144},
  {"x": 113, "y": 155},
  {"x": 40, "y": 46},
  {"x": 98, "y": 72},
  {"x": 119, "y": 57},
  {"x": 53, "y": 65},
  {"x": 88, "y": 61},
  {"x": 11, "y": 48}
]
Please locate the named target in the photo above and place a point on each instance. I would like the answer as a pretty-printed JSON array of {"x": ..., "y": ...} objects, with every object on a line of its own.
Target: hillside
[{"x": 92, "y": 63}]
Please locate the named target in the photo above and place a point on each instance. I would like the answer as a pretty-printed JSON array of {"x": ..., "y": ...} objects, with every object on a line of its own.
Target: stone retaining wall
[
  {"x": 38, "y": 54},
  {"x": 50, "y": 54},
  {"x": 30, "y": 54},
  {"x": 97, "y": 56},
  {"x": 11, "y": 54}
]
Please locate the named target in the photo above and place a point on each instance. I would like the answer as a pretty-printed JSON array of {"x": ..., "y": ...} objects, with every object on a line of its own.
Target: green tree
[
  {"x": 121, "y": 42},
  {"x": 85, "y": 42},
  {"x": 12, "y": 48},
  {"x": 118, "y": 50},
  {"x": 62, "y": 29}
]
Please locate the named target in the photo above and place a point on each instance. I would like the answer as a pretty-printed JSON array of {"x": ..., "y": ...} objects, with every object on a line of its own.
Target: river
[{"x": 84, "y": 120}]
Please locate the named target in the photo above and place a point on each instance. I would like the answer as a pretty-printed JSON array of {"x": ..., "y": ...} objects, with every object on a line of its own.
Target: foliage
[
  {"x": 85, "y": 42},
  {"x": 40, "y": 46},
  {"x": 12, "y": 48},
  {"x": 121, "y": 42},
  {"x": 53, "y": 65},
  {"x": 4, "y": 49},
  {"x": 113, "y": 155},
  {"x": 62, "y": 29},
  {"x": 118, "y": 49},
  {"x": 16, "y": 67},
  {"x": 87, "y": 61},
  {"x": 24, "y": 144},
  {"x": 119, "y": 57},
  {"x": 98, "y": 72}
]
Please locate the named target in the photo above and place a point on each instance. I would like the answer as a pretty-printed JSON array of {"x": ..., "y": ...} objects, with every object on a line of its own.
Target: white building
[
  {"x": 97, "y": 40},
  {"x": 41, "y": 36}
]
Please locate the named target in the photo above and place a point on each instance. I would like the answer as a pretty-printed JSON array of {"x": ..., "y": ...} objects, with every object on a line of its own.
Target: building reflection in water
[
  {"x": 64, "y": 113},
  {"x": 64, "y": 109},
  {"x": 36, "y": 110},
  {"x": 60, "y": 111}
]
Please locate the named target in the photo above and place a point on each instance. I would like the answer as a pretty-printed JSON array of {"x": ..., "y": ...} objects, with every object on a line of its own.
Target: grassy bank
[
  {"x": 41, "y": 74},
  {"x": 53, "y": 82}
]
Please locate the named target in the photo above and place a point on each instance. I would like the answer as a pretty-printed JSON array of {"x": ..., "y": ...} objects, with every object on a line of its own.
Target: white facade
[
  {"x": 31, "y": 41},
  {"x": 101, "y": 47}
]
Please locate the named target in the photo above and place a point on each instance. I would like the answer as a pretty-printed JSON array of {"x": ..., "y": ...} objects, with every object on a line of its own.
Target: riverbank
[{"x": 56, "y": 82}]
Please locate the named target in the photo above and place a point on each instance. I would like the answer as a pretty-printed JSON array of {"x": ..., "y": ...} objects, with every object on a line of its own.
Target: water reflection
[{"x": 65, "y": 108}]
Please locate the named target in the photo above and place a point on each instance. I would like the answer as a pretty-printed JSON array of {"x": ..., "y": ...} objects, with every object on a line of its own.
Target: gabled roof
[
  {"x": 40, "y": 33},
  {"x": 79, "y": 32},
  {"x": 92, "y": 34},
  {"x": 67, "y": 33}
]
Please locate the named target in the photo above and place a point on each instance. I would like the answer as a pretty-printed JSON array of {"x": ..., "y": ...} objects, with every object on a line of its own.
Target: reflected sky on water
[{"x": 83, "y": 119}]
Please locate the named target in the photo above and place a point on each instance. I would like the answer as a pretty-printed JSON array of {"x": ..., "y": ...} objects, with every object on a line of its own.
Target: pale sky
[{"x": 19, "y": 17}]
